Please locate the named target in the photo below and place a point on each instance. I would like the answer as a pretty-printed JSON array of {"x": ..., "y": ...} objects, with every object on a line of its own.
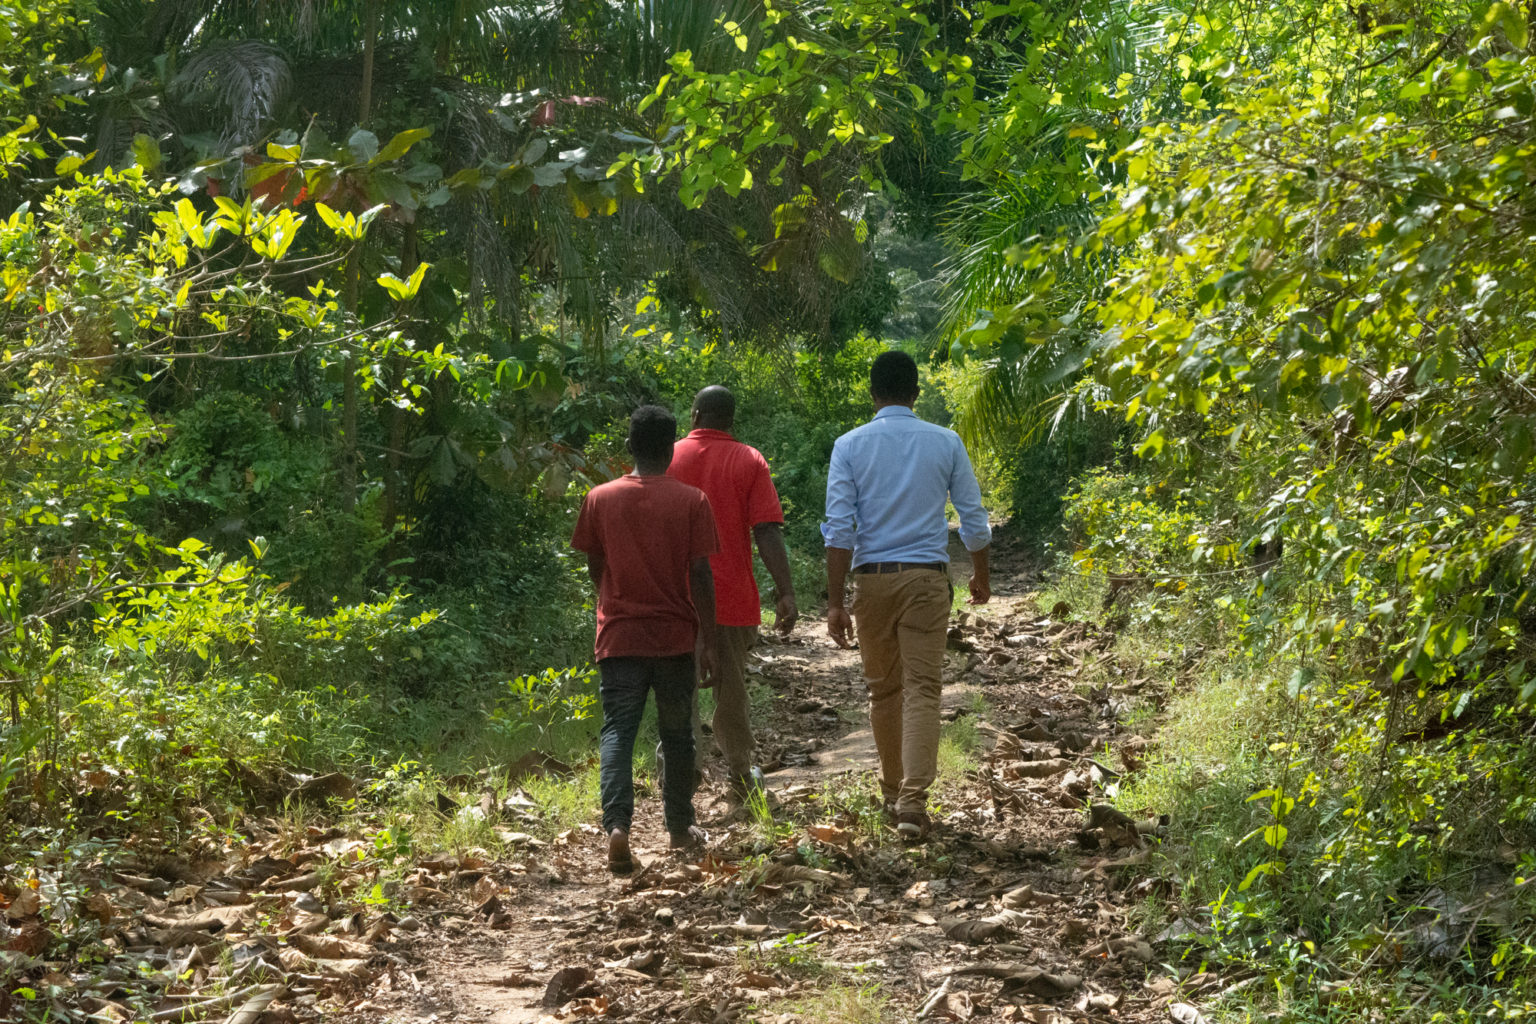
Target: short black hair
[
  {"x": 652, "y": 432},
  {"x": 716, "y": 405},
  {"x": 893, "y": 377}
]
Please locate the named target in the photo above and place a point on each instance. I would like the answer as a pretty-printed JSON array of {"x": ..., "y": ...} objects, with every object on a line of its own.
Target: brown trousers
[
  {"x": 732, "y": 723},
  {"x": 901, "y": 619}
]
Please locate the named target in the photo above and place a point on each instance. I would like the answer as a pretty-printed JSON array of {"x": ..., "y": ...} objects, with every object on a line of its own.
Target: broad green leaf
[
  {"x": 70, "y": 163},
  {"x": 363, "y": 144},
  {"x": 333, "y": 219},
  {"x": 146, "y": 152},
  {"x": 401, "y": 144},
  {"x": 404, "y": 290},
  {"x": 1267, "y": 868}
]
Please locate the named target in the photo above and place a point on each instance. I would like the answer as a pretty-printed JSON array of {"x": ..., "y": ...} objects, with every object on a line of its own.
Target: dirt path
[{"x": 1017, "y": 910}]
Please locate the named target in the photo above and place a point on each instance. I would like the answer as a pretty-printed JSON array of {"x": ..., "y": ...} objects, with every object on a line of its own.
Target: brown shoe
[
  {"x": 913, "y": 826},
  {"x": 691, "y": 841},
  {"x": 620, "y": 860}
]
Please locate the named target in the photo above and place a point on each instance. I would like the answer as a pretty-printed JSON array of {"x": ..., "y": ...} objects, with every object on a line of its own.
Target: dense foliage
[{"x": 318, "y": 318}]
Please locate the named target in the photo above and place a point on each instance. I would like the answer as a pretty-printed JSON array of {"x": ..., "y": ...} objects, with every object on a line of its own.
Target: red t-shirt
[
  {"x": 735, "y": 478},
  {"x": 648, "y": 530}
]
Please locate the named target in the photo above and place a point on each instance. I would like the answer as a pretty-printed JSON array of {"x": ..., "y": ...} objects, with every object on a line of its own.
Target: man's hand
[
  {"x": 785, "y": 614},
  {"x": 981, "y": 577},
  {"x": 701, "y": 582},
  {"x": 706, "y": 661},
  {"x": 839, "y": 622},
  {"x": 840, "y": 626}
]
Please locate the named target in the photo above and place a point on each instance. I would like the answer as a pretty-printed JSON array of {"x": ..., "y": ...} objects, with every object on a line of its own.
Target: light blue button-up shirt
[{"x": 886, "y": 491}]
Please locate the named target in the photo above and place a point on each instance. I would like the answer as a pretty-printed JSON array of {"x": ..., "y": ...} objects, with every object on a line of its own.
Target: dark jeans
[{"x": 625, "y": 684}]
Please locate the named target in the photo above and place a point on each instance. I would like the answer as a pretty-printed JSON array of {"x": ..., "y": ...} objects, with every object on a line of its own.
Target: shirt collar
[
  {"x": 706, "y": 432},
  {"x": 895, "y": 410}
]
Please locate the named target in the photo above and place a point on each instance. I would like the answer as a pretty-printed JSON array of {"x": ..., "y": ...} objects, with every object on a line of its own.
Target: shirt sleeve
[
  {"x": 704, "y": 539},
  {"x": 840, "y": 530},
  {"x": 762, "y": 497},
  {"x": 965, "y": 495},
  {"x": 585, "y": 538}
]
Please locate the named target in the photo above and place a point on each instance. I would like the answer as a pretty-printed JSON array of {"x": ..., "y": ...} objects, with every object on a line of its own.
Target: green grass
[
  {"x": 798, "y": 963},
  {"x": 834, "y": 1004},
  {"x": 959, "y": 747},
  {"x": 853, "y": 799},
  {"x": 566, "y": 801}
]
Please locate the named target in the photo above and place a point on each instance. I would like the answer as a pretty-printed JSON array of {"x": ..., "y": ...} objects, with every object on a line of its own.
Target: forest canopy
[{"x": 318, "y": 320}]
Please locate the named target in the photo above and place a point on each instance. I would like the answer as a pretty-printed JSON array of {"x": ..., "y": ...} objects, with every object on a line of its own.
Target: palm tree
[
  {"x": 1027, "y": 390},
  {"x": 496, "y": 82}
]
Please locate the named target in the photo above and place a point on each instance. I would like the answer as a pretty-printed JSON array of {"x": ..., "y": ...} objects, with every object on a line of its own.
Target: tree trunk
[
  {"x": 349, "y": 388},
  {"x": 396, "y": 416},
  {"x": 349, "y": 295}
]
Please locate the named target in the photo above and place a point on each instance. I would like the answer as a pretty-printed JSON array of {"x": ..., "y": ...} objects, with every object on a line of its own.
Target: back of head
[
  {"x": 893, "y": 377},
  {"x": 715, "y": 407},
  {"x": 652, "y": 432}
]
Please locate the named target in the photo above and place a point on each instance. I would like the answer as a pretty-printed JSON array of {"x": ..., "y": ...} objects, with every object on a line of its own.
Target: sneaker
[{"x": 913, "y": 825}]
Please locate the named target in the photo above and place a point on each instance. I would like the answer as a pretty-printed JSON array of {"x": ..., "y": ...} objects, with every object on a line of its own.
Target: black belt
[{"x": 885, "y": 567}]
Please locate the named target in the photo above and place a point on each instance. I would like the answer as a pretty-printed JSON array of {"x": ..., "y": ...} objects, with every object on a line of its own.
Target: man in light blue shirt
[{"x": 886, "y": 522}]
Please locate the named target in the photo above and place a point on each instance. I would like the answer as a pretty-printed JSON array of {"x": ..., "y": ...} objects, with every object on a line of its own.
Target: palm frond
[
  {"x": 1012, "y": 402},
  {"x": 978, "y": 274},
  {"x": 248, "y": 82}
]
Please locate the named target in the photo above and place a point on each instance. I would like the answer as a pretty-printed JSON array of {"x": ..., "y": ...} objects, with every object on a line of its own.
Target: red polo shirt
[
  {"x": 648, "y": 530},
  {"x": 735, "y": 478}
]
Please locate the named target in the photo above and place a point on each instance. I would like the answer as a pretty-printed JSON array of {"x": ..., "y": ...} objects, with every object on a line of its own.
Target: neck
[
  {"x": 886, "y": 403},
  {"x": 724, "y": 428},
  {"x": 649, "y": 469}
]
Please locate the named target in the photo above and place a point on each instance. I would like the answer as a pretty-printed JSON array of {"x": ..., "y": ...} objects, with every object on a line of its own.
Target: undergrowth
[
  {"x": 836, "y": 1004},
  {"x": 1359, "y": 858}
]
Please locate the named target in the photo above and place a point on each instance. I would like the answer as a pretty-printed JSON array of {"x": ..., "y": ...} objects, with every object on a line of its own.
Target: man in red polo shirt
[{"x": 735, "y": 478}]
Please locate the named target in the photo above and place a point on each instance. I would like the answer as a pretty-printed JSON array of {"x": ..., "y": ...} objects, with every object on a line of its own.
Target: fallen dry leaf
[
  {"x": 954, "y": 1006},
  {"x": 27, "y": 904},
  {"x": 781, "y": 874},
  {"x": 1035, "y": 769},
  {"x": 1184, "y": 1013},
  {"x": 829, "y": 834},
  {"x": 984, "y": 928},
  {"x": 566, "y": 985},
  {"x": 1026, "y": 896},
  {"x": 330, "y": 947},
  {"x": 597, "y": 1006}
]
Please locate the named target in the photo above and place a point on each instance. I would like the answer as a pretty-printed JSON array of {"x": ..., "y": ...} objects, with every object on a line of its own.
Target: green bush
[{"x": 1318, "y": 805}]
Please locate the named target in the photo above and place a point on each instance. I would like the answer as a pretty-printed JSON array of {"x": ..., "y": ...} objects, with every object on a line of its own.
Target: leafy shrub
[{"x": 1354, "y": 799}]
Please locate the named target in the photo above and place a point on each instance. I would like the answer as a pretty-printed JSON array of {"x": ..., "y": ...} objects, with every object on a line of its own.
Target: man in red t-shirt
[
  {"x": 735, "y": 478},
  {"x": 648, "y": 539}
]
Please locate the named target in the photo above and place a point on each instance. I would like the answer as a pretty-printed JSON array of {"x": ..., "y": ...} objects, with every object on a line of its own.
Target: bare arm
[
  {"x": 701, "y": 582},
  {"x": 975, "y": 532},
  {"x": 595, "y": 565},
  {"x": 771, "y": 549},
  {"x": 839, "y": 622},
  {"x": 981, "y": 576}
]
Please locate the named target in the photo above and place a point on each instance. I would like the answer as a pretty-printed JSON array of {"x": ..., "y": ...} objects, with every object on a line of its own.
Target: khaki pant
[
  {"x": 901, "y": 619},
  {"x": 732, "y": 723}
]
